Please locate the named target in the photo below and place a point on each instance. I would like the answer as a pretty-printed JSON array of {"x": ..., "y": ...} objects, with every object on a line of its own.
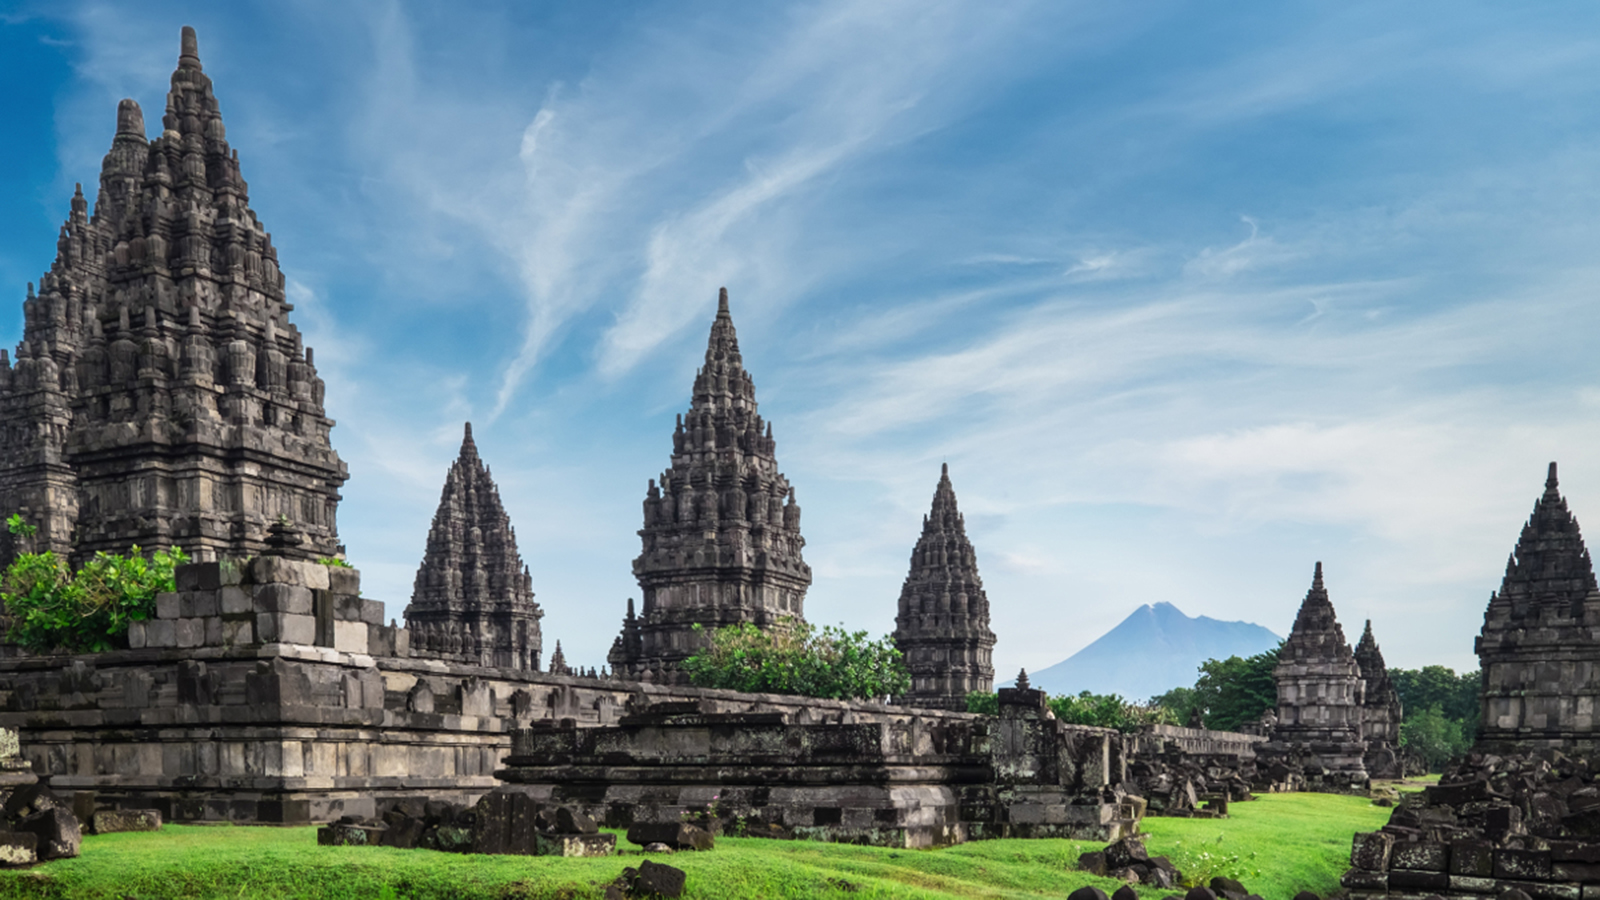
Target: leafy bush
[
  {"x": 796, "y": 658},
  {"x": 50, "y": 607},
  {"x": 1103, "y": 710},
  {"x": 983, "y": 702},
  {"x": 334, "y": 562}
]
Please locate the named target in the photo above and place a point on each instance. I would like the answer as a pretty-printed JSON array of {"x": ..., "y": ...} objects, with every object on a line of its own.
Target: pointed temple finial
[
  {"x": 468, "y": 438},
  {"x": 722, "y": 303},
  {"x": 1550, "y": 483},
  {"x": 944, "y": 471},
  {"x": 130, "y": 118},
  {"x": 189, "y": 49},
  {"x": 1316, "y": 578},
  {"x": 1022, "y": 680}
]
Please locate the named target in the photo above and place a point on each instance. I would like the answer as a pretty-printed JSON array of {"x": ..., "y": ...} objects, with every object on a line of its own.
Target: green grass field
[{"x": 1276, "y": 845}]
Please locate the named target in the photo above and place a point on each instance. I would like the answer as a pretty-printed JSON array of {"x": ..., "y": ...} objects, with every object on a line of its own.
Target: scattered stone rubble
[
  {"x": 650, "y": 879},
  {"x": 501, "y": 822},
  {"x": 1194, "y": 772},
  {"x": 1529, "y": 821},
  {"x": 1219, "y": 889},
  {"x": 1127, "y": 860},
  {"x": 1520, "y": 815}
]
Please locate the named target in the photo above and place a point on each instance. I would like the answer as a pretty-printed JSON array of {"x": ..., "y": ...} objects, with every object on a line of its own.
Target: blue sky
[{"x": 1189, "y": 296}]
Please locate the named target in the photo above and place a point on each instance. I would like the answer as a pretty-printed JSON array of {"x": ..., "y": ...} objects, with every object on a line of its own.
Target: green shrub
[
  {"x": 50, "y": 607},
  {"x": 796, "y": 658},
  {"x": 1103, "y": 710},
  {"x": 334, "y": 562}
]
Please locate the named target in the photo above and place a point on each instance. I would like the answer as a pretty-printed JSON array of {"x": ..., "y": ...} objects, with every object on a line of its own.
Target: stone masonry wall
[{"x": 269, "y": 691}]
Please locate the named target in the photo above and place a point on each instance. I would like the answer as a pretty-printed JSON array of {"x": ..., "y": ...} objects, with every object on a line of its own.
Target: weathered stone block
[
  {"x": 190, "y": 632},
  {"x": 202, "y": 603},
  {"x": 1468, "y": 884},
  {"x": 677, "y": 835},
  {"x": 236, "y": 632},
  {"x": 1423, "y": 856},
  {"x": 1365, "y": 880},
  {"x": 17, "y": 848},
  {"x": 136, "y": 635},
  {"x": 575, "y": 844},
  {"x": 372, "y": 612},
  {"x": 345, "y": 834},
  {"x": 1414, "y": 880},
  {"x": 1370, "y": 851},
  {"x": 214, "y": 632},
  {"x": 161, "y": 633},
  {"x": 660, "y": 880},
  {"x": 234, "y": 600},
  {"x": 110, "y": 821},
  {"x": 283, "y": 598},
  {"x": 1576, "y": 871},
  {"x": 281, "y": 628},
  {"x": 168, "y": 605},
  {"x": 56, "y": 830},
  {"x": 350, "y": 637},
  {"x": 343, "y": 580},
  {"x": 1522, "y": 865},
  {"x": 1472, "y": 858}
]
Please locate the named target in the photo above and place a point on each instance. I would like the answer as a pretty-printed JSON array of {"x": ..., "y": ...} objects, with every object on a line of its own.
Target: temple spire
[
  {"x": 942, "y": 625},
  {"x": 721, "y": 540},
  {"x": 188, "y": 49},
  {"x": 1550, "y": 562},
  {"x": 472, "y": 579}
]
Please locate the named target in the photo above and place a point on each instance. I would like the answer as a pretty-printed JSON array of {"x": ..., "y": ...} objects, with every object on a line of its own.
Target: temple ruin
[
  {"x": 1520, "y": 811},
  {"x": 1319, "y": 714},
  {"x": 721, "y": 531},
  {"x": 160, "y": 394},
  {"x": 1381, "y": 710},
  {"x": 473, "y": 599},
  {"x": 943, "y": 623}
]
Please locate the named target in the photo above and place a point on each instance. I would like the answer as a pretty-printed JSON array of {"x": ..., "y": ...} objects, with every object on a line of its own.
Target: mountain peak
[{"x": 1156, "y": 648}]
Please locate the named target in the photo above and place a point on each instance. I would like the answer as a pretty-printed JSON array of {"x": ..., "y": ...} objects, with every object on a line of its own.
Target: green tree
[
  {"x": 797, "y": 658},
  {"x": 1233, "y": 692},
  {"x": 1179, "y": 703},
  {"x": 1434, "y": 736},
  {"x": 1456, "y": 696}
]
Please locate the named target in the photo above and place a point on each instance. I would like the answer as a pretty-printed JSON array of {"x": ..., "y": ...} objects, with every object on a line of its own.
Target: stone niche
[{"x": 906, "y": 778}]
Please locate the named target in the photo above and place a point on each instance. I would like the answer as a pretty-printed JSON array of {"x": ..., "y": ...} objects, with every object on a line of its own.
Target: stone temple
[
  {"x": 160, "y": 394},
  {"x": 721, "y": 531},
  {"x": 1320, "y": 696},
  {"x": 943, "y": 623},
  {"x": 1381, "y": 709},
  {"x": 1537, "y": 648},
  {"x": 473, "y": 599}
]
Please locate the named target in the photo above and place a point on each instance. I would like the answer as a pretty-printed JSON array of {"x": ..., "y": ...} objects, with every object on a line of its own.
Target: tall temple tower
[
  {"x": 1319, "y": 696},
  {"x": 1381, "y": 710},
  {"x": 473, "y": 599},
  {"x": 1537, "y": 650},
  {"x": 943, "y": 623},
  {"x": 721, "y": 531},
  {"x": 160, "y": 394}
]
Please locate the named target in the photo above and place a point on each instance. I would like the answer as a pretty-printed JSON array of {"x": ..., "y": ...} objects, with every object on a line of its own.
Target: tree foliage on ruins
[
  {"x": 798, "y": 658},
  {"x": 1086, "y": 708},
  {"x": 51, "y": 607}
]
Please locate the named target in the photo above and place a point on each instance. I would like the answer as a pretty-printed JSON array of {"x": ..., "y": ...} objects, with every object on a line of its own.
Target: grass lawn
[{"x": 1276, "y": 845}]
